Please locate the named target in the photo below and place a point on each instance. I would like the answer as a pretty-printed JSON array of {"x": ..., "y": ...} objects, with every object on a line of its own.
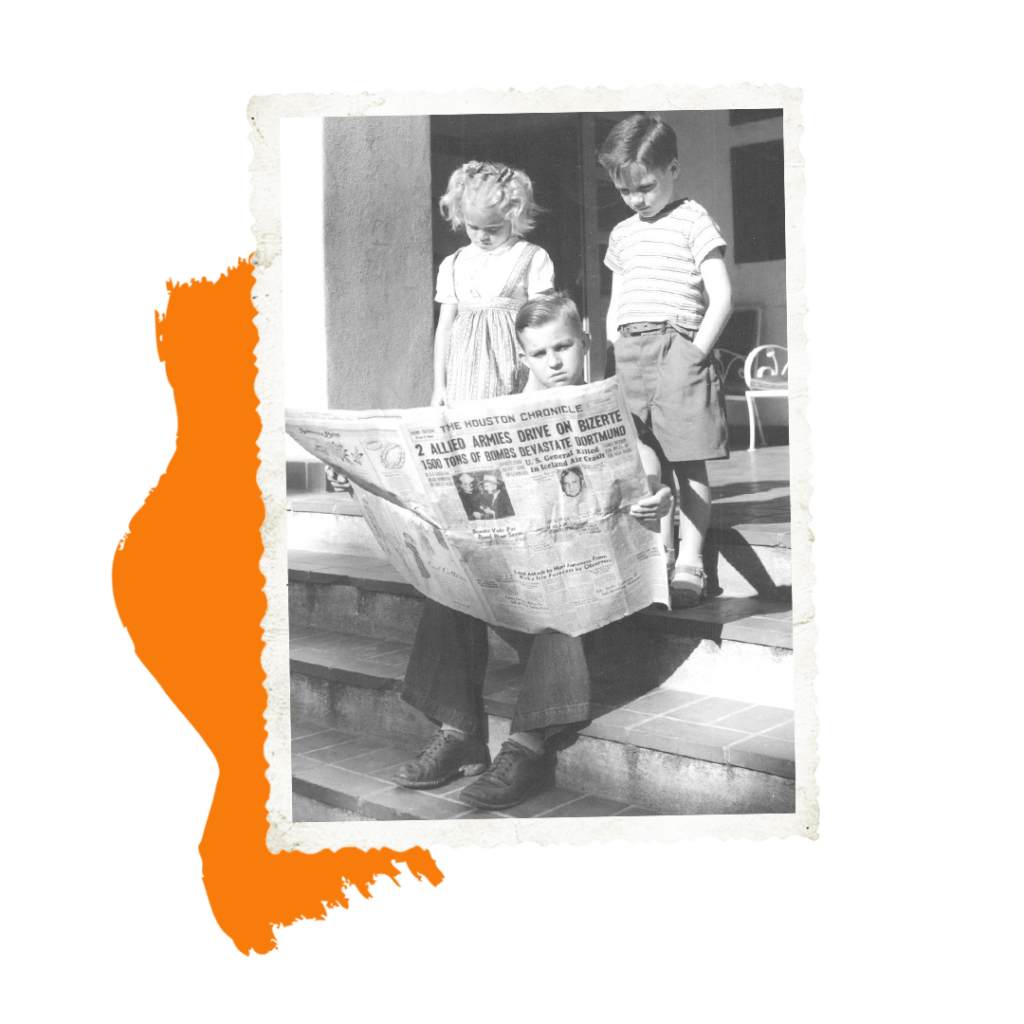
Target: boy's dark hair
[
  {"x": 541, "y": 311},
  {"x": 638, "y": 144}
]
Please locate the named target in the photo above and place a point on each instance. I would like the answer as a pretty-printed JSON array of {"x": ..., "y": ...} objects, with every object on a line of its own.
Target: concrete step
[
  {"x": 750, "y": 559},
  {"x": 667, "y": 751},
  {"x": 739, "y": 648}
]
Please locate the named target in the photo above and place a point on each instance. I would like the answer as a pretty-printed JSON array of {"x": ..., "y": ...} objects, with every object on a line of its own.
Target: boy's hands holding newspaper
[{"x": 653, "y": 508}]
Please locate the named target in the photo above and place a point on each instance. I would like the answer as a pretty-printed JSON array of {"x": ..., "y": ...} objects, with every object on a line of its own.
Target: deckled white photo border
[{"x": 265, "y": 114}]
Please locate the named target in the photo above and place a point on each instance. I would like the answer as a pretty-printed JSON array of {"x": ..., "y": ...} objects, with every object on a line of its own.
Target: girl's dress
[{"x": 489, "y": 287}]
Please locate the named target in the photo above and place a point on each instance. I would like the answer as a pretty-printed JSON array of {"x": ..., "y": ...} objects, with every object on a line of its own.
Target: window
[
  {"x": 743, "y": 116},
  {"x": 758, "y": 202}
]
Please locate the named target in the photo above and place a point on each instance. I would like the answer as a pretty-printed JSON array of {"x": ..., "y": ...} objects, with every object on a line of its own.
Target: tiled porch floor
[{"x": 354, "y": 774}]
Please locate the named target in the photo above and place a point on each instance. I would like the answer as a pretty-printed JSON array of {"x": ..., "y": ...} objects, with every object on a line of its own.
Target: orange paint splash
[{"x": 191, "y": 596}]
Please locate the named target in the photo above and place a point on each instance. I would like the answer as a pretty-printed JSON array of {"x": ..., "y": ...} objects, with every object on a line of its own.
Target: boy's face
[
  {"x": 554, "y": 352},
  {"x": 649, "y": 193}
]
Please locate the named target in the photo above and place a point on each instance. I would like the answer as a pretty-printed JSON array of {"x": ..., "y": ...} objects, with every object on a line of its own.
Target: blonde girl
[{"x": 482, "y": 285}]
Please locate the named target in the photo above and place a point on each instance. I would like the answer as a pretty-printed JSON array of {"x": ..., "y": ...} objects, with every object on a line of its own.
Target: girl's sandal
[{"x": 686, "y": 587}]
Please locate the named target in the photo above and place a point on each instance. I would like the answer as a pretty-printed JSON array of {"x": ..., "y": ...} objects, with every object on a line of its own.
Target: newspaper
[{"x": 514, "y": 510}]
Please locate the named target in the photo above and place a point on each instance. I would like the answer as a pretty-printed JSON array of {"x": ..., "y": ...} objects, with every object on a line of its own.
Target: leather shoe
[
  {"x": 516, "y": 773},
  {"x": 446, "y": 757}
]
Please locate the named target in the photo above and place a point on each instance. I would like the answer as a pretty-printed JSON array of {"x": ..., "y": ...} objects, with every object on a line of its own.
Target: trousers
[{"x": 445, "y": 676}]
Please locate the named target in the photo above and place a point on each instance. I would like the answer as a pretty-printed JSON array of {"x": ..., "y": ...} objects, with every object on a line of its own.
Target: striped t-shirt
[{"x": 659, "y": 263}]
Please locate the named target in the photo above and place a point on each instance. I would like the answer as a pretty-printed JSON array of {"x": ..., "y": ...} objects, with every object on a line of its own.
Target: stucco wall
[
  {"x": 377, "y": 258},
  {"x": 705, "y": 174}
]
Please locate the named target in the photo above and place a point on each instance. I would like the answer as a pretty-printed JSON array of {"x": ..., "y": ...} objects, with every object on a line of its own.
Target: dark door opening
[{"x": 545, "y": 146}]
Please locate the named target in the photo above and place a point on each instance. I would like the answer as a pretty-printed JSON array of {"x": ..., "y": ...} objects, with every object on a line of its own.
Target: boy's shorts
[{"x": 668, "y": 380}]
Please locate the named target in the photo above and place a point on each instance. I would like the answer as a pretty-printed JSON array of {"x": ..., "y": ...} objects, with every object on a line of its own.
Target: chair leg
[
  {"x": 754, "y": 419},
  {"x": 757, "y": 419}
]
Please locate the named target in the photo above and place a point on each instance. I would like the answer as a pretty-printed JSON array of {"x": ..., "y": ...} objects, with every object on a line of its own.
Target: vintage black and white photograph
[
  {"x": 484, "y": 494},
  {"x": 468, "y": 265}
]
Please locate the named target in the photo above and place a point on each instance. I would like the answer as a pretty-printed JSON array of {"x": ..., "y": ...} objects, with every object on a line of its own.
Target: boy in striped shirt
[{"x": 671, "y": 298}]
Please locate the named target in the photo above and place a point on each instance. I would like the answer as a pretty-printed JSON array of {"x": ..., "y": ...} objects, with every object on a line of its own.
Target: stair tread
[{"x": 679, "y": 722}]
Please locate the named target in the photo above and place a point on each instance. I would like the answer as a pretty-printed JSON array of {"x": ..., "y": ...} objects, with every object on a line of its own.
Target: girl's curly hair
[{"x": 490, "y": 186}]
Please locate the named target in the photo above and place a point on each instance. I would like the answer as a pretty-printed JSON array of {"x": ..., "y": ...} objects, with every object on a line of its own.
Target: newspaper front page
[{"x": 514, "y": 510}]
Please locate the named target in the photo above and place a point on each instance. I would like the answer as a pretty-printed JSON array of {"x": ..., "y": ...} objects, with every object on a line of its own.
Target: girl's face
[{"x": 486, "y": 228}]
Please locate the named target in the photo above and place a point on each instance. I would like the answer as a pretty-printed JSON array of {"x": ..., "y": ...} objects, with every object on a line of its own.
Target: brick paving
[{"x": 353, "y": 774}]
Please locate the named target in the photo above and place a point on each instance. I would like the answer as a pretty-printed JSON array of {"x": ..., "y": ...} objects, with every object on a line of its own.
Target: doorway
[{"x": 557, "y": 152}]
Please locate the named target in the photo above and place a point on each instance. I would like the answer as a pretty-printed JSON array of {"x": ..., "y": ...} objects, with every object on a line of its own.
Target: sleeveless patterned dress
[{"x": 483, "y": 355}]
